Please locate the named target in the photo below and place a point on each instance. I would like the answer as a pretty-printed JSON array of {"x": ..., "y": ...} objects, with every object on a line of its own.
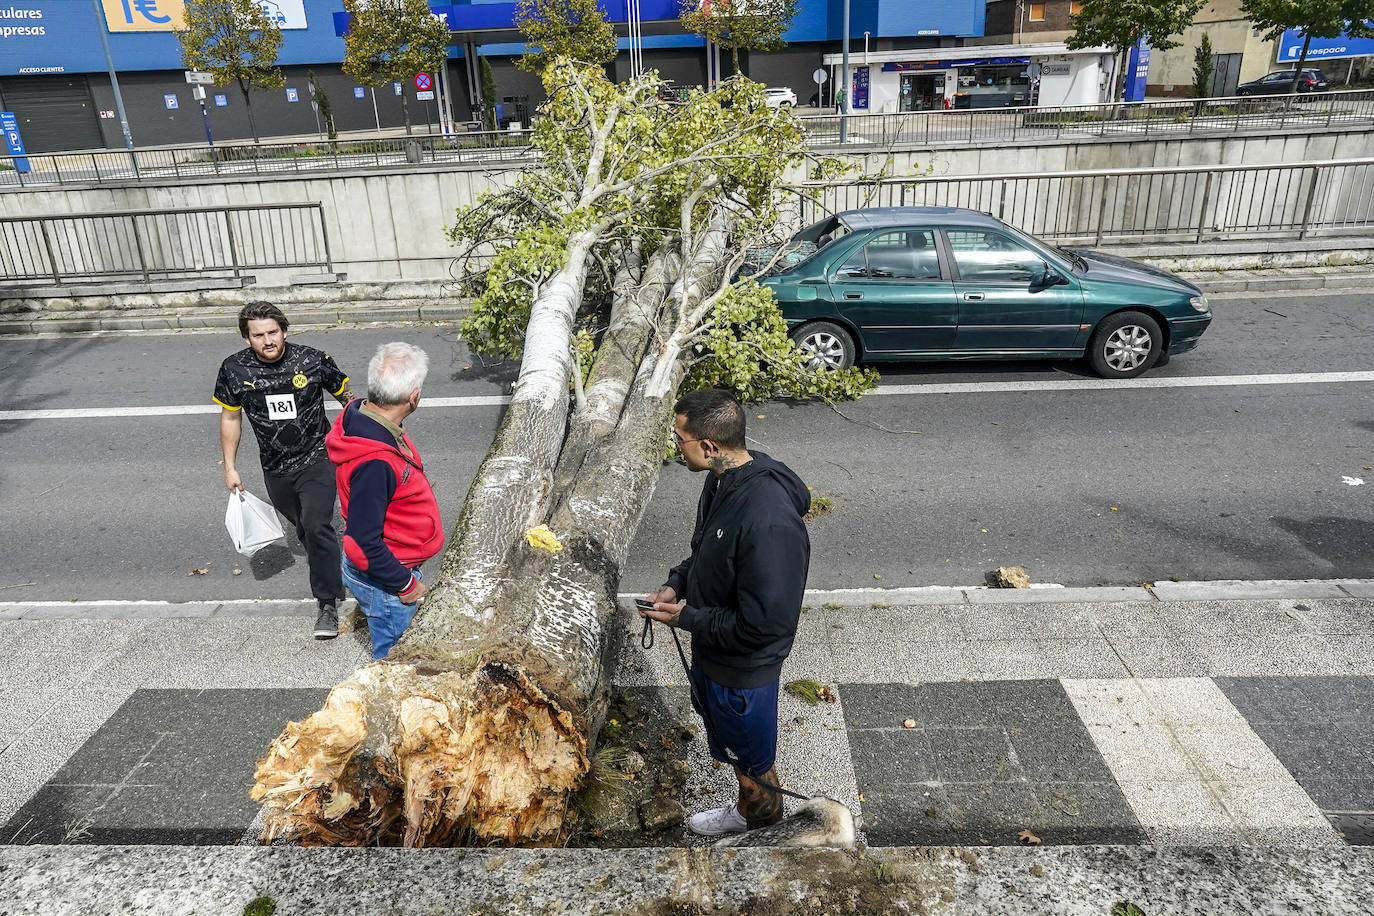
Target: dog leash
[{"x": 646, "y": 641}]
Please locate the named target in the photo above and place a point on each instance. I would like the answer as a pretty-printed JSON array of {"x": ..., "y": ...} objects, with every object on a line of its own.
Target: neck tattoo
[{"x": 722, "y": 463}]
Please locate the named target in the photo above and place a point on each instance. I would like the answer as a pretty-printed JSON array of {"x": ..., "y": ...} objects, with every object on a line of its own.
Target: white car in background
[{"x": 777, "y": 96}]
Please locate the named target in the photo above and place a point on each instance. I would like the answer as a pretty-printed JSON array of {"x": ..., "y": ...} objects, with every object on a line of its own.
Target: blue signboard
[
  {"x": 1290, "y": 47},
  {"x": 292, "y": 95},
  {"x": 860, "y": 81},
  {"x": 221, "y": 100},
  {"x": 397, "y": 87},
  {"x": 357, "y": 92},
  {"x": 170, "y": 101},
  {"x": 63, "y": 36},
  {"x": 10, "y": 126},
  {"x": 1137, "y": 71}
]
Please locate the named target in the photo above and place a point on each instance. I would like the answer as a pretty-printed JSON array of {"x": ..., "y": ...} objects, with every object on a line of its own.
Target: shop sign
[
  {"x": 169, "y": 15},
  {"x": 860, "y": 81}
]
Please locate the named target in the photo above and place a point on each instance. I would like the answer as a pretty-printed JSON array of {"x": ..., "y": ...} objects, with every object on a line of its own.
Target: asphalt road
[{"x": 1115, "y": 485}]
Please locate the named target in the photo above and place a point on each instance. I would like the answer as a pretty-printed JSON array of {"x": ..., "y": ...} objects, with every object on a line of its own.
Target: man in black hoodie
[{"x": 739, "y": 594}]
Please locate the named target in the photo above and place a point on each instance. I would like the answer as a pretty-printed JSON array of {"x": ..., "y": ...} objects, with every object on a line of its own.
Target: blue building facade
[{"x": 53, "y": 72}]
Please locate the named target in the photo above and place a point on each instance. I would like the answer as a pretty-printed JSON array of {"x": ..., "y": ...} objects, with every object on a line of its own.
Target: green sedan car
[{"x": 918, "y": 283}]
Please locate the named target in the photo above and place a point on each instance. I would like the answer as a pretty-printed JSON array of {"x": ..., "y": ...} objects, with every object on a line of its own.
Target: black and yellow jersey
[{"x": 284, "y": 402}]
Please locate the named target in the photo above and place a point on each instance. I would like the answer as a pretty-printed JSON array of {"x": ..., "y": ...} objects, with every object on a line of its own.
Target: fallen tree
[{"x": 610, "y": 271}]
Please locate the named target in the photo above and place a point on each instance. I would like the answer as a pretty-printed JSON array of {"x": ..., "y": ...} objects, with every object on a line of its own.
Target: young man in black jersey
[{"x": 281, "y": 386}]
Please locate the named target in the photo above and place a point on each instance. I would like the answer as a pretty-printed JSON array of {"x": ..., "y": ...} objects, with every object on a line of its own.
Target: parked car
[
  {"x": 1278, "y": 83},
  {"x": 775, "y": 96},
  {"x": 924, "y": 283}
]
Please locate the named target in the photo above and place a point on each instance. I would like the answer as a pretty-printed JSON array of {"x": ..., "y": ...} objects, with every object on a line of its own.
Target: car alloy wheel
[
  {"x": 830, "y": 346},
  {"x": 1125, "y": 345},
  {"x": 1127, "y": 348}
]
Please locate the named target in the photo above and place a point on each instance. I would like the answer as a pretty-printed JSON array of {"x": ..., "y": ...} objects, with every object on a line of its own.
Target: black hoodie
[{"x": 744, "y": 581}]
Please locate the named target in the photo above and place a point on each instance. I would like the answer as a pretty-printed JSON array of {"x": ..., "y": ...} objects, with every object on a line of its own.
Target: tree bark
[{"x": 479, "y": 725}]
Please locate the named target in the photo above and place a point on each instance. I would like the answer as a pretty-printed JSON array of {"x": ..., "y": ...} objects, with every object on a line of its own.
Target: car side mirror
[{"x": 1046, "y": 277}]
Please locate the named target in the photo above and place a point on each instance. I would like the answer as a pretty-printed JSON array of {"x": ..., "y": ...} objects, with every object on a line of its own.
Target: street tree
[
  {"x": 1315, "y": 18},
  {"x": 609, "y": 269},
  {"x": 237, "y": 42},
  {"x": 1120, "y": 24},
  {"x": 576, "y": 29},
  {"x": 739, "y": 25},
  {"x": 392, "y": 41},
  {"x": 1204, "y": 65}
]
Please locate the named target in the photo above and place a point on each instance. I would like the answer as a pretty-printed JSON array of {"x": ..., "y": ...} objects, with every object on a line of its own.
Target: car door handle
[
  {"x": 974, "y": 297},
  {"x": 853, "y": 295}
]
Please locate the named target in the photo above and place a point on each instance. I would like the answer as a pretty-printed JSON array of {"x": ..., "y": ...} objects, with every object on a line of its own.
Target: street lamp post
[
  {"x": 844, "y": 79},
  {"x": 114, "y": 84}
]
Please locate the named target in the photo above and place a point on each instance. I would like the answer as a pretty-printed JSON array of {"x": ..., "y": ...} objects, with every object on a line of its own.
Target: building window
[
  {"x": 1036, "y": 12},
  {"x": 1075, "y": 7}
]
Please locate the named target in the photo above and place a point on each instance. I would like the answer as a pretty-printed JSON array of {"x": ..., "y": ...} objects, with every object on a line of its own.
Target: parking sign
[
  {"x": 422, "y": 82},
  {"x": 292, "y": 95},
  {"x": 170, "y": 101},
  {"x": 9, "y": 125}
]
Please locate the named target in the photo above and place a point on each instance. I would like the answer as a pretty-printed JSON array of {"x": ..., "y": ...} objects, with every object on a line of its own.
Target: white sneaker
[{"x": 717, "y": 821}]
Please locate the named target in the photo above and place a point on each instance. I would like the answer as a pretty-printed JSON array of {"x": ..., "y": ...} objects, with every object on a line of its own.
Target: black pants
[{"x": 306, "y": 498}]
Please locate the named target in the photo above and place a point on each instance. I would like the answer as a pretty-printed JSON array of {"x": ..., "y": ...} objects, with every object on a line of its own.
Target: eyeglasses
[{"x": 681, "y": 441}]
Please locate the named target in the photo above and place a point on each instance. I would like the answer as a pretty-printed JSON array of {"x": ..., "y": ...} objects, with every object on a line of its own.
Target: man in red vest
[{"x": 391, "y": 518}]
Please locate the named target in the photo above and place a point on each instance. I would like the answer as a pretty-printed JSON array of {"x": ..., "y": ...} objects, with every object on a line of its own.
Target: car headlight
[{"x": 1199, "y": 303}]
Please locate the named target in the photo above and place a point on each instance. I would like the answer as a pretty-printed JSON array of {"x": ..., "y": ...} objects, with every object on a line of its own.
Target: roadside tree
[
  {"x": 1120, "y": 24},
  {"x": 1203, "y": 67},
  {"x": 739, "y": 25},
  {"x": 576, "y": 29},
  {"x": 237, "y": 42},
  {"x": 608, "y": 269},
  {"x": 391, "y": 41},
  {"x": 1316, "y": 19}
]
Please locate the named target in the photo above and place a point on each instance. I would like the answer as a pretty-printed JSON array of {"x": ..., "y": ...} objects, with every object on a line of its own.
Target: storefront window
[
  {"x": 993, "y": 87},
  {"x": 921, "y": 92}
]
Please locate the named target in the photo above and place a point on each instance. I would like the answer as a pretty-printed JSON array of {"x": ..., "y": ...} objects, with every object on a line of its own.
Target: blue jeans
[{"x": 387, "y": 617}]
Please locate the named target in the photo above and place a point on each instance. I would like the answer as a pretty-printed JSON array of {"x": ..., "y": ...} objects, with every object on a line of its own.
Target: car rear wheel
[
  {"x": 1125, "y": 345},
  {"x": 830, "y": 346}
]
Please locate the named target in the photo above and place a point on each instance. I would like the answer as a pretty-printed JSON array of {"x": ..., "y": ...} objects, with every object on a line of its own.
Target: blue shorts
[{"x": 741, "y": 722}]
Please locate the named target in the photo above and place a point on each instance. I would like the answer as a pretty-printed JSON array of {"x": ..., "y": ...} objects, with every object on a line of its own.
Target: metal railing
[
  {"x": 159, "y": 244},
  {"x": 1174, "y": 117},
  {"x": 1182, "y": 204},
  {"x": 1178, "y": 117},
  {"x": 247, "y": 159}
]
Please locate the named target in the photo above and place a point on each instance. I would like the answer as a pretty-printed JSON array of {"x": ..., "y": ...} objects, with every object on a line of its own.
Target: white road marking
[
  {"x": 1071, "y": 384},
  {"x": 1094, "y": 384},
  {"x": 1190, "y": 766},
  {"x": 95, "y": 413}
]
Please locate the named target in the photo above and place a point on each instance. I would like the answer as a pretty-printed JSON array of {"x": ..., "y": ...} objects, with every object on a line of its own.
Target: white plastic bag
[{"x": 252, "y": 523}]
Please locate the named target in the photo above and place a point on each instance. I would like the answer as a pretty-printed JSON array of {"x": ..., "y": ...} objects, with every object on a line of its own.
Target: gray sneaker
[{"x": 327, "y": 624}]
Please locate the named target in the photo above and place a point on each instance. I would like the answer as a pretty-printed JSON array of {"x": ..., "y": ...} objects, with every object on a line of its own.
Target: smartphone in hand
[{"x": 644, "y": 605}]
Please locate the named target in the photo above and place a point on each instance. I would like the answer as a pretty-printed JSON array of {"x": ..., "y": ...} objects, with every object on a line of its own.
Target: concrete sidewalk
[{"x": 1157, "y": 721}]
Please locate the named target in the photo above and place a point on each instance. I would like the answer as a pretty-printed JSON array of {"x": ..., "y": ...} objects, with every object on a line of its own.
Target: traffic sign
[
  {"x": 423, "y": 82},
  {"x": 9, "y": 125},
  {"x": 819, "y": 76},
  {"x": 425, "y": 96},
  {"x": 200, "y": 78}
]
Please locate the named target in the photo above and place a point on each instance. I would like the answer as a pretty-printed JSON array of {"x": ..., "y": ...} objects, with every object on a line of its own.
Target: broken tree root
[{"x": 403, "y": 756}]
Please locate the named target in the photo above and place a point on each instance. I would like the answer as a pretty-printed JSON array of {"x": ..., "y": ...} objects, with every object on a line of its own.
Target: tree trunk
[
  {"x": 1297, "y": 73},
  {"x": 248, "y": 103},
  {"x": 479, "y": 725},
  {"x": 405, "y": 112}
]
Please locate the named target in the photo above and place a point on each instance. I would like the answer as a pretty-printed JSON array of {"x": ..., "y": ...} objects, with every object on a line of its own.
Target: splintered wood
[{"x": 397, "y": 757}]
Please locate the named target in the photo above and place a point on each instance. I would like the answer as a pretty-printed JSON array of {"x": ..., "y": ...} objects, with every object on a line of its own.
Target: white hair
[{"x": 396, "y": 370}]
